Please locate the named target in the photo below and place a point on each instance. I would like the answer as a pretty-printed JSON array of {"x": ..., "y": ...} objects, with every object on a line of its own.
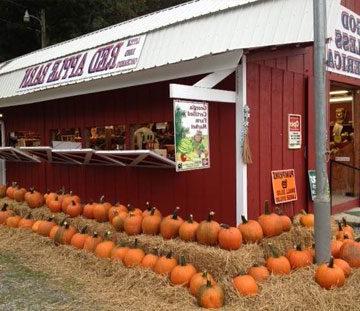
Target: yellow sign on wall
[{"x": 284, "y": 186}]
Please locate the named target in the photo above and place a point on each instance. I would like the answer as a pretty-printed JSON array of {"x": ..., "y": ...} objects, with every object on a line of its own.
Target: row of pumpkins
[
  {"x": 200, "y": 284},
  {"x": 150, "y": 221}
]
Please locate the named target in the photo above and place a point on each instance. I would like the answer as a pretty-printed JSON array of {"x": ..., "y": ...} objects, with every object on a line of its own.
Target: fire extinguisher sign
[{"x": 294, "y": 131}]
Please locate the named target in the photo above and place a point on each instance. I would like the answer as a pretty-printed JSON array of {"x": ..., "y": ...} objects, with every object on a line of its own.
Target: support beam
[{"x": 214, "y": 78}]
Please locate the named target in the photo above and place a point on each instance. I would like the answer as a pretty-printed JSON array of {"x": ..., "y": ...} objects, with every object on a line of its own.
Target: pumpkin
[
  {"x": 74, "y": 209},
  {"x": 165, "y": 264},
  {"x": 329, "y": 275},
  {"x": 169, "y": 226},
  {"x": 278, "y": 265},
  {"x": 259, "y": 273},
  {"x": 35, "y": 226},
  {"x": 148, "y": 210},
  {"x": 115, "y": 210},
  {"x": 341, "y": 233},
  {"x": 10, "y": 191},
  {"x": 151, "y": 223},
  {"x": 347, "y": 228},
  {"x": 251, "y": 230},
  {"x": 64, "y": 234},
  {"x": 26, "y": 222},
  {"x": 91, "y": 242},
  {"x": 104, "y": 248},
  {"x": 245, "y": 285},
  {"x": 299, "y": 258},
  {"x": 182, "y": 273},
  {"x": 208, "y": 231},
  {"x": 270, "y": 222},
  {"x": 88, "y": 211},
  {"x": 4, "y": 214},
  {"x": 335, "y": 247},
  {"x": 132, "y": 224},
  {"x": 133, "y": 256},
  {"x": 307, "y": 220},
  {"x": 136, "y": 211},
  {"x": 13, "y": 221},
  {"x": 210, "y": 296},
  {"x": 343, "y": 265},
  {"x": 50, "y": 196},
  {"x": 187, "y": 230},
  {"x": 2, "y": 191},
  {"x": 53, "y": 232},
  {"x": 118, "y": 253},
  {"x": 350, "y": 252},
  {"x": 78, "y": 239},
  {"x": 34, "y": 198},
  {"x": 19, "y": 194},
  {"x": 149, "y": 261},
  {"x": 101, "y": 210},
  {"x": 285, "y": 220},
  {"x": 54, "y": 205},
  {"x": 199, "y": 279},
  {"x": 67, "y": 199},
  {"x": 45, "y": 226},
  {"x": 118, "y": 220},
  {"x": 229, "y": 237}
]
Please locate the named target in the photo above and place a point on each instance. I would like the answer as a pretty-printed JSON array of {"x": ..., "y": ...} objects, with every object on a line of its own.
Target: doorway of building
[{"x": 344, "y": 134}]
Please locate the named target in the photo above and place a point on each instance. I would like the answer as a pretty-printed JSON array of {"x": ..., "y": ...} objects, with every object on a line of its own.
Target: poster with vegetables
[{"x": 191, "y": 135}]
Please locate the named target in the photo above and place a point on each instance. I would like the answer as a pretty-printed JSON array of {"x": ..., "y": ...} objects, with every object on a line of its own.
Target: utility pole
[{"x": 322, "y": 200}]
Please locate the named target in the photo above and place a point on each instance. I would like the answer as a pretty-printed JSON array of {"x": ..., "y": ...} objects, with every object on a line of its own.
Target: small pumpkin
[
  {"x": 335, "y": 247},
  {"x": 182, "y": 273},
  {"x": 199, "y": 279},
  {"x": 149, "y": 260},
  {"x": 118, "y": 220},
  {"x": 67, "y": 199},
  {"x": 148, "y": 209},
  {"x": 151, "y": 222},
  {"x": 13, "y": 221},
  {"x": 101, "y": 210},
  {"x": 285, "y": 220},
  {"x": 54, "y": 205},
  {"x": 210, "y": 296},
  {"x": 132, "y": 224},
  {"x": 104, "y": 248},
  {"x": 50, "y": 196},
  {"x": 208, "y": 231},
  {"x": 251, "y": 230},
  {"x": 307, "y": 220},
  {"x": 19, "y": 194},
  {"x": 4, "y": 213},
  {"x": 91, "y": 242},
  {"x": 169, "y": 226},
  {"x": 329, "y": 275},
  {"x": 350, "y": 252},
  {"x": 343, "y": 265},
  {"x": 165, "y": 264},
  {"x": 299, "y": 258},
  {"x": 2, "y": 191},
  {"x": 74, "y": 209},
  {"x": 133, "y": 256},
  {"x": 347, "y": 228},
  {"x": 341, "y": 233},
  {"x": 229, "y": 237},
  {"x": 270, "y": 222},
  {"x": 278, "y": 265},
  {"x": 134, "y": 210},
  {"x": 88, "y": 211},
  {"x": 34, "y": 199},
  {"x": 45, "y": 226},
  {"x": 187, "y": 230},
  {"x": 259, "y": 273},
  {"x": 64, "y": 234},
  {"x": 26, "y": 222},
  {"x": 78, "y": 239},
  {"x": 10, "y": 191},
  {"x": 35, "y": 226},
  {"x": 246, "y": 285},
  {"x": 115, "y": 210},
  {"x": 118, "y": 253}
]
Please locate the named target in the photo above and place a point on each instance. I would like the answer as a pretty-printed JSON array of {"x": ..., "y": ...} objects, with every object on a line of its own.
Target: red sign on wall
[{"x": 294, "y": 131}]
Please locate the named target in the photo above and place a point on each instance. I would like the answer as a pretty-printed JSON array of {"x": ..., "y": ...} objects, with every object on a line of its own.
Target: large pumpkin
[
  {"x": 251, "y": 230},
  {"x": 299, "y": 258},
  {"x": 210, "y": 296},
  {"x": 229, "y": 237},
  {"x": 329, "y": 275},
  {"x": 187, "y": 230},
  {"x": 350, "y": 252},
  {"x": 270, "y": 223},
  {"x": 151, "y": 223},
  {"x": 208, "y": 231},
  {"x": 169, "y": 226}
]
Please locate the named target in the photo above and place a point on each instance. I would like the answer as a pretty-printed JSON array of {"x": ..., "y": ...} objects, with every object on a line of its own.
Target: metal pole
[
  {"x": 43, "y": 28},
  {"x": 322, "y": 201}
]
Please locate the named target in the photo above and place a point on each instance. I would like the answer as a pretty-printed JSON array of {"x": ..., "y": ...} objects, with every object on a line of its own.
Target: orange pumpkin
[
  {"x": 118, "y": 253},
  {"x": 88, "y": 211},
  {"x": 74, "y": 209},
  {"x": 187, "y": 230},
  {"x": 259, "y": 273},
  {"x": 115, "y": 210},
  {"x": 13, "y": 221},
  {"x": 299, "y": 258},
  {"x": 208, "y": 231},
  {"x": 67, "y": 199},
  {"x": 149, "y": 261},
  {"x": 165, "y": 264},
  {"x": 341, "y": 233},
  {"x": 19, "y": 194},
  {"x": 45, "y": 226},
  {"x": 347, "y": 228},
  {"x": 118, "y": 220},
  {"x": 133, "y": 256},
  {"x": 182, "y": 273},
  {"x": 34, "y": 199},
  {"x": 53, "y": 232},
  {"x": 148, "y": 209},
  {"x": 54, "y": 205},
  {"x": 285, "y": 220},
  {"x": 199, "y": 279},
  {"x": 10, "y": 191},
  {"x": 50, "y": 196},
  {"x": 251, "y": 230},
  {"x": 270, "y": 222},
  {"x": 78, "y": 239},
  {"x": 132, "y": 224},
  {"x": 245, "y": 285},
  {"x": 210, "y": 296},
  {"x": 136, "y": 211},
  {"x": 350, "y": 252},
  {"x": 169, "y": 226},
  {"x": 151, "y": 223},
  {"x": 335, "y": 247},
  {"x": 307, "y": 220},
  {"x": 101, "y": 210},
  {"x": 35, "y": 226},
  {"x": 26, "y": 223},
  {"x": 229, "y": 237},
  {"x": 276, "y": 264},
  {"x": 329, "y": 275},
  {"x": 64, "y": 234},
  {"x": 2, "y": 191},
  {"x": 104, "y": 248},
  {"x": 343, "y": 265},
  {"x": 4, "y": 214},
  {"x": 91, "y": 242}
]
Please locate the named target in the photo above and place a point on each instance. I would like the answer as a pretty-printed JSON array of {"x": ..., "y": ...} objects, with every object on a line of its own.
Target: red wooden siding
[
  {"x": 353, "y": 5},
  {"x": 273, "y": 94},
  {"x": 196, "y": 192}
]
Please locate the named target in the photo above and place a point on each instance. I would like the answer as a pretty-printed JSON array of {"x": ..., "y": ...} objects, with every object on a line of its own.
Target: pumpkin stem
[
  {"x": 66, "y": 225},
  {"x": 211, "y": 216},
  {"x": 225, "y": 226},
  {"x": 190, "y": 219},
  {"x": 345, "y": 222},
  {"x": 267, "y": 207},
  {"x": 148, "y": 207},
  {"x": 61, "y": 190},
  {"x": 331, "y": 262},
  {"x": 5, "y": 206},
  {"x": 169, "y": 255},
  {"x": 298, "y": 247},
  {"x": 136, "y": 243},
  {"x": 32, "y": 189},
  {"x": 274, "y": 252},
  {"x": 95, "y": 234},
  {"x": 129, "y": 207},
  {"x": 73, "y": 202},
  {"x": 356, "y": 240},
  {"x": 182, "y": 260},
  {"x": 28, "y": 216},
  {"x": 208, "y": 283},
  {"x": 56, "y": 198},
  {"x": 83, "y": 230},
  {"x": 243, "y": 219},
  {"x": 51, "y": 218},
  {"x": 101, "y": 200},
  {"x": 152, "y": 211},
  {"x": 204, "y": 275},
  {"x": 107, "y": 235},
  {"x": 175, "y": 213},
  {"x": 340, "y": 226}
]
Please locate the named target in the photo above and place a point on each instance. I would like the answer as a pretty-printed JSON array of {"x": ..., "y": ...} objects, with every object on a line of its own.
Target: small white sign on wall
[{"x": 294, "y": 131}]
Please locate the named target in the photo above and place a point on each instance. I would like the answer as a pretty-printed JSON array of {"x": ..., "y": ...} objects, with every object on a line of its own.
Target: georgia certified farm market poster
[
  {"x": 284, "y": 186},
  {"x": 192, "y": 149}
]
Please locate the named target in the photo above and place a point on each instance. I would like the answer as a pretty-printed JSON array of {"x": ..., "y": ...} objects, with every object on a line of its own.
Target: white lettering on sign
[{"x": 343, "y": 51}]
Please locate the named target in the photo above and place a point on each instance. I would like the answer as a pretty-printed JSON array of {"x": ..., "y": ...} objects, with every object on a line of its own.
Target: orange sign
[{"x": 284, "y": 186}]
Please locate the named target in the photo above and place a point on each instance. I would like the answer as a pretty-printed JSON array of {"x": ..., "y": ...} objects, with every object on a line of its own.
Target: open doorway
[{"x": 344, "y": 133}]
